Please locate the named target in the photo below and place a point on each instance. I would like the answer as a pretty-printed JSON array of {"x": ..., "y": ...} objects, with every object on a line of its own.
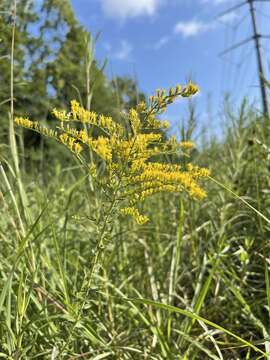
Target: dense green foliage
[
  {"x": 207, "y": 257},
  {"x": 193, "y": 283},
  {"x": 54, "y": 60}
]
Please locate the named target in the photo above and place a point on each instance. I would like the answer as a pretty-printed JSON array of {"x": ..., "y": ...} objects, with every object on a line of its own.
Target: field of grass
[
  {"x": 79, "y": 279},
  {"x": 192, "y": 283}
]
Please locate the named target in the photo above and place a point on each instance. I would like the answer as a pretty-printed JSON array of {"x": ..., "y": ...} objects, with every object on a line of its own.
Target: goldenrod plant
[
  {"x": 126, "y": 163},
  {"x": 129, "y": 154}
]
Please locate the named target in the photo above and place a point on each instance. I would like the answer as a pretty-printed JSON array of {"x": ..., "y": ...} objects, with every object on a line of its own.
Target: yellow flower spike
[
  {"x": 141, "y": 107},
  {"x": 60, "y": 115},
  {"x": 160, "y": 102},
  {"x": 83, "y": 136},
  {"x": 132, "y": 211},
  {"x": 165, "y": 124},
  {"x": 189, "y": 90},
  {"x": 25, "y": 122},
  {"x": 78, "y": 113},
  {"x": 64, "y": 138},
  {"x": 102, "y": 147},
  {"x": 134, "y": 119},
  {"x": 93, "y": 170},
  {"x": 75, "y": 106},
  {"x": 153, "y": 123},
  {"x": 171, "y": 92},
  {"x": 77, "y": 148},
  {"x": 178, "y": 89},
  {"x": 197, "y": 172},
  {"x": 186, "y": 145},
  {"x": 137, "y": 164},
  {"x": 70, "y": 143}
]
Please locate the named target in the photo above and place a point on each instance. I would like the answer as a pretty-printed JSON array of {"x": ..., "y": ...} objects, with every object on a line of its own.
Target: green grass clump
[
  {"x": 80, "y": 280},
  {"x": 192, "y": 283}
]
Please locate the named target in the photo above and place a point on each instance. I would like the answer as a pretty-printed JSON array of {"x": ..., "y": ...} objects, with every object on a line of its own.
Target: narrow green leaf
[{"x": 196, "y": 317}]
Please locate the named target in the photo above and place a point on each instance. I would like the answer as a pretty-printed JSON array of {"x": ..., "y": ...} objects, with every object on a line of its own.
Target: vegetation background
[{"x": 193, "y": 283}]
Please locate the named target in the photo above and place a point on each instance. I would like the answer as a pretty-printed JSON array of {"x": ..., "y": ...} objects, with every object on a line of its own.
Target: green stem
[{"x": 98, "y": 251}]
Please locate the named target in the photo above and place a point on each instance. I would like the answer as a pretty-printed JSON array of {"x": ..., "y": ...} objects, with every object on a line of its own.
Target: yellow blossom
[
  {"x": 132, "y": 155},
  {"x": 186, "y": 145},
  {"x": 134, "y": 119},
  {"x": 132, "y": 211},
  {"x": 70, "y": 143},
  {"x": 25, "y": 122},
  {"x": 141, "y": 107},
  {"x": 189, "y": 90},
  {"x": 165, "y": 124},
  {"x": 102, "y": 147},
  {"x": 60, "y": 115}
]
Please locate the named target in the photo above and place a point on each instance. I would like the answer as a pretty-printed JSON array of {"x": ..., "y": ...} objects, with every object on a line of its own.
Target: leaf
[{"x": 196, "y": 317}]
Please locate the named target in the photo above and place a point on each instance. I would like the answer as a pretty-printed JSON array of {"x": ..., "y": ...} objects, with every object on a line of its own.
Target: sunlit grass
[{"x": 191, "y": 283}]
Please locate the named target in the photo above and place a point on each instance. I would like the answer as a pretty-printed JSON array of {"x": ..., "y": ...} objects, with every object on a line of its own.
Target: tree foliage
[{"x": 54, "y": 63}]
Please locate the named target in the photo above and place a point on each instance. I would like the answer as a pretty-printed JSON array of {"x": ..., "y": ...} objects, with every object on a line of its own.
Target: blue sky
[{"x": 164, "y": 42}]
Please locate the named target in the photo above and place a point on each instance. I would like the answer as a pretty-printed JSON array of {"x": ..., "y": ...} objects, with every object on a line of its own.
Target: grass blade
[{"x": 196, "y": 317}]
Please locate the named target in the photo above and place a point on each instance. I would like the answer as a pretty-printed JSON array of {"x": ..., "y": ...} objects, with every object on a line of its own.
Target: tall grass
[{"x": 193, "y": 283}]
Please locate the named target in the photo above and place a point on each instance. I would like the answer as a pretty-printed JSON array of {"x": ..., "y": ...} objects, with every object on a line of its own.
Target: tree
[
  {"x": 25, "y": 17},
  {"x": 54, "y": 63},
  {"x": 127, "y": 92}
]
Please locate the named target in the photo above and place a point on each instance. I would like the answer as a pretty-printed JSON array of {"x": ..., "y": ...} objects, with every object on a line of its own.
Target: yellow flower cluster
[
  {"x": 102, "y": 147},
  {"x": 135, "y": 121},
  {"x": 132, "y": 157},
  {"x": 161, "y": 99},
  {"x": 68, "y": 141},
  {"x": 136, "y": 147},
  {"x": 80, "y": 135},
  {"x": 186, "y": 145},
  {"x": 158, "y": 177},
  {"x": 25, "y": 122},
  {"x": 61, "y": 115},
  {"x": 189, "y": 90},
  {"x": 78, "y": 113},
  {"x": 134, "y": 212},
  {"x": 197, "y": 172},
  {"x": 34, "y": 125}
]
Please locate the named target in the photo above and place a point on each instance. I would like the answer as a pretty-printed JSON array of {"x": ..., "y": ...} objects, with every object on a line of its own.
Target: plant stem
[{"x": 98, "y": 251}]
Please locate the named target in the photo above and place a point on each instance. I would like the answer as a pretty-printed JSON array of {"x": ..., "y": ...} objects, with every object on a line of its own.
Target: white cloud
[
  {"x": 122, "y": 9},
  {"x": 228, "y": 18},
  {"x": 193, "y": 27},
  {"x": 124, "y": 52},
  {"x": 161, "y": 42},
  {"x": 196, "y": 27}
]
